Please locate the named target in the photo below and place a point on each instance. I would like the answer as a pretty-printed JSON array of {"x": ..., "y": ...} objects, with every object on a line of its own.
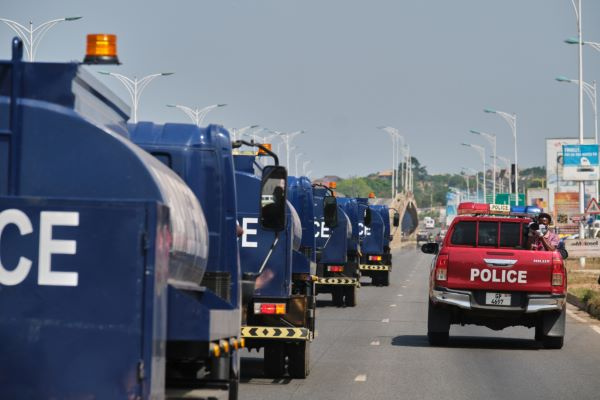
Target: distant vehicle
[
  {"x": 422, "y": 236},
  {"x": 429, "y": 222},
  {"x": 483, "y": 275}
]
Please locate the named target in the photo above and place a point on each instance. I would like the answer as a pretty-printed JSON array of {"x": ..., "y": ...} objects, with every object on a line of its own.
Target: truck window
[
  {"x": 488, "y": 234},
  {"x": 464, "y": 233},
  {"x": 510, "y": 234}
]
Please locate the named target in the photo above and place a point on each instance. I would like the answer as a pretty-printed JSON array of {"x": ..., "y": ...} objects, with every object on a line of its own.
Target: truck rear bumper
[{"x": 465, "y": 299}]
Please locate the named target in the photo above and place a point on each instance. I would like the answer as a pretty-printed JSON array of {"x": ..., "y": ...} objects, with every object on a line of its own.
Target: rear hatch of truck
[{"x": 488, "y": 254}]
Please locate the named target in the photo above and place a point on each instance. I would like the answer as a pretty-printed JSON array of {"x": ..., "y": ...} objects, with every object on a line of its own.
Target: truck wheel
[
  {"x": 553, "y": 342},
  {"x": 438, "y": 326},
  {"x": 234, "y": 385},
  {"x": 299, "y": 359},
  {"x": 376, "y": 280},
  {"x": 274, "y": 364},
  {"x": 337, "y": 295},
  {"x": 350, "y": 299},
  {"x": 385, "y": 278}
]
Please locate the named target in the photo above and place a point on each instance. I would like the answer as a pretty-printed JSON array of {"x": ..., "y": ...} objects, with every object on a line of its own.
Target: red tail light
[
  {"x": 559, "y": 281},
  {"x": 374, "y": 258},
  {"x": 335, "y": 268},
  {"x": 441, "y": 268},
  {"x": 269, "y": 308}
]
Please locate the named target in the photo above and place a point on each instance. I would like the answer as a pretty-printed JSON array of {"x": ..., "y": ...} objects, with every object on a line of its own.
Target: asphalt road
[{"x": 379, "y": 350}]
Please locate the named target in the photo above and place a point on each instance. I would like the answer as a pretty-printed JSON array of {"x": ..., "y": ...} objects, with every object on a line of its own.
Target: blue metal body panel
[
  {"x": 350, "y": 207},
  {"x": 202, "y": 157},
  {"x": 275, "y": 280},
  {"x": 332, "y": 243},
  {"x": 384, "y": 212},
  {"x": 372, "y": 236},
  {"x": 300, "y": 195},
  {"x": 64, "y": 148}
]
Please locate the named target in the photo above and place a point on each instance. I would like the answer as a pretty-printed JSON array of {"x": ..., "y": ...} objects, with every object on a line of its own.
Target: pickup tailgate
[{"x": 495, "y": 269}]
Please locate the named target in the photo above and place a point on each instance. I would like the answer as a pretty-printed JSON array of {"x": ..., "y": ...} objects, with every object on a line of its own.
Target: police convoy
[{"x": 122, "y": 275}]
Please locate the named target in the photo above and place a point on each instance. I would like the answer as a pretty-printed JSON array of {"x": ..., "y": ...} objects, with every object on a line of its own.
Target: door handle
[{"x": 499, "y": 262}]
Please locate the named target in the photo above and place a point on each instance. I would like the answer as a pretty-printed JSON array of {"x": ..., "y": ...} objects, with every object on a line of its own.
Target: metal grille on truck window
[
  {"x": 464, "y": 233},
  {"x": 488, "y": 234},
  {"x": 510, "y": 234}
]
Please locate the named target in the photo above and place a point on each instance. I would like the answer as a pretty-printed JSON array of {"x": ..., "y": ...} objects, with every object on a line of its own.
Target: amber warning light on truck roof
[
  {"x": 261, "y": 152},
  {"x": 332, "y": 185},
  {"x": 101, "y": 48}
]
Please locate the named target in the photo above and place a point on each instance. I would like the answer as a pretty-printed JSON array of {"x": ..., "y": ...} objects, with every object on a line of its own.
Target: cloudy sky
[{"x": 339, "y": 68}]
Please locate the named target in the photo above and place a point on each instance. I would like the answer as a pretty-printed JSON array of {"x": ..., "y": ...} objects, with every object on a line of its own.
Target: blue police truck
[
  {"x": 335, "y": 274},
  {"x": 279, "y": 316},
  {"x": 203, "y": 158},
  {"x": 376, "y": 261},
  {"x": 98, "y": 238}
]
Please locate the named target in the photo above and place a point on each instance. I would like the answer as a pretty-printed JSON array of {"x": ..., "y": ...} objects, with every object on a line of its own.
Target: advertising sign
[
  {"x": 580, "y": 162},
  {"x": 583, "y": 248},
  {"x": 506, "y": 198},
  {"x": 538, "y": 197},
  {"x": 566, "y": 212},
  {"x": 554, "y": 170}
]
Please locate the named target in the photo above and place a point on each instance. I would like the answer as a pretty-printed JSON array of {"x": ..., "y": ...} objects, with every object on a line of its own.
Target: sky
[{"x": 337, "y": 69}]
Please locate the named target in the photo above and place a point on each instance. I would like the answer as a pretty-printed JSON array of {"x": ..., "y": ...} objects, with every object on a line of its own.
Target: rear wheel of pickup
[
  {"x": 274, "y": 364},
  {"x": 438, "y": 326},
  {"x": 299, "y": 359},
  {"x": 550, "y": 329}
]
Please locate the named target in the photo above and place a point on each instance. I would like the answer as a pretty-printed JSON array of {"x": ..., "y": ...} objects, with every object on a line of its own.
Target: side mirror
[
  {"x": 367, "y": 216},
  {"x": 430, "y": 248},
  {"x": 330, "y": 211},
  {"x": 273, "y": 189},
  {"x": 396, "y": 219}
]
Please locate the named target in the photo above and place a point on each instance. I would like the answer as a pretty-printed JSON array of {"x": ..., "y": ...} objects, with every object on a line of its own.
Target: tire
[
  {"x": 274, "y": 363},
  {"x": 376, "y": 280},
  {"x": 299, "y": 359},
  {"x": 553, "y": 342},
  {"x": 438, "y": 326},
  {"x": 234, "y": 386},
  {"x": 385, "y": 278},
  {"x": 350, "y": 298},
  {"x": 337, "y": 295}
]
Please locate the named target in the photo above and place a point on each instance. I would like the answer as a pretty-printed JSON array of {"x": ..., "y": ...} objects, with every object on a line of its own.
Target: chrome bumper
[{"x": 464, "y": 300}]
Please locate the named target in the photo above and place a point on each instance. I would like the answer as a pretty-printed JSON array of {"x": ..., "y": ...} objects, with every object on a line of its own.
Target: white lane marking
[
  {"x": 392, "y": 305},
  {"x": 400, "y": 295},
  {"x": 596, "y": 328},
  {"x": 576, "y": 317},
  {"x": 408, "y": 280},
  {"x": 403, "y": 286},
  {"x": 360, "y": 378},
  {"x": 375, "y": 343},
  {"x": 385, "y": 320}
]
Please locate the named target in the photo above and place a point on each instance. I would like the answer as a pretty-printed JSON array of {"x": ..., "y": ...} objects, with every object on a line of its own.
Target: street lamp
[
  {"x": 287, "y": 138},
  {"x": 237, "y": 132},
  {"x": 135, "y": 87},
  {"x": 506, "y": 161},
  {"x": 594, "y": 45},
  {"x": 304, "y": 164},
  {"x": 492, "y": 139},
  {"x": 196, "y": 114},
  {"x": 296, "y": 162},
  {"x": 511, "y": 119},
  {"x": 464, "y": 171},
  {"x": 31, "y": 36},
  {"x": 394, "y": 135},
  {"x": 481, "y": 151}
]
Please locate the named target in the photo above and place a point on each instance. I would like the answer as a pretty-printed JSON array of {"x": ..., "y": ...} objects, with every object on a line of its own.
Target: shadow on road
[
  {"x": 252, "y": 368},
  {"x": 469, "y": 342}
]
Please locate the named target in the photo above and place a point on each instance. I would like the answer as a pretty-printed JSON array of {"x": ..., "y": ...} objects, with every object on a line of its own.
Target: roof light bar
[{"x": 471, "y": 208}]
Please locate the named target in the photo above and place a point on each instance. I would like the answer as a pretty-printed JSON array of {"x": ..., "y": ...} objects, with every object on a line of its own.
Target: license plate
[{"x": 497, "y": 299}]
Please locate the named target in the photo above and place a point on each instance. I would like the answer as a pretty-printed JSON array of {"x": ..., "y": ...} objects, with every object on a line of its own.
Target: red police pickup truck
[{"x": 483, "y": 274}]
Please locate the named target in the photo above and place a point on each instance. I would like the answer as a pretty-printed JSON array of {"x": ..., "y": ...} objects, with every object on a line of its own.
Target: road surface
[{"x": 379, "y": 350}]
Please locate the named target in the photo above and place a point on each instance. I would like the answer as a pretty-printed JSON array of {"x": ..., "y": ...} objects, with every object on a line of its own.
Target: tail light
[
  {"x": 269, "y": 308},
  {"x": 335, "y": 268},
  {"x": 441, "y": 268},
  {"x": 374, "y": 258},
  {"x": 558, "y": 276}
]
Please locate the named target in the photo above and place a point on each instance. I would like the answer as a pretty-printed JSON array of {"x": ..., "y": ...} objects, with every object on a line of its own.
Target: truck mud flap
[
  {"x": 374, "y": 267},
  {"x": 271, "y": 332},
  {"x": 338, "y": 281}
]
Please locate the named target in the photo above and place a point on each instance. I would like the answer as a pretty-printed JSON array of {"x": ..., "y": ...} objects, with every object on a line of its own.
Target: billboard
[
  {"x": 554, "y": 170},
  {"x": 580, "y": 162},
  {"x": 538, "y": 197},
  {"x": 566, "y": 212},
  {"x": 506, "y": 198}
]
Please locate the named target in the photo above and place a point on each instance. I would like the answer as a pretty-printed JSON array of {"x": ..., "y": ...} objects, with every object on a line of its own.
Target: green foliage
[{"x": 429, "y": 190}]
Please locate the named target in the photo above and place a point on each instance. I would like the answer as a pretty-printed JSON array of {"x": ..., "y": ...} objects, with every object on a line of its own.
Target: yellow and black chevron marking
[
  {"x": 263, "y": 332},
  {"x": 338, "y": 281},
  {"x": 374, "y": 267}
]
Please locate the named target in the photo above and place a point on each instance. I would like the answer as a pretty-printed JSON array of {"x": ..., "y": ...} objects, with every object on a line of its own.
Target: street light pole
[
  {"x": 31, "y": 36},
  {"x": 481, "y": 151},
  {"x": 287, "y": 138},
  {"x": 507, "y": 162},
  {"x": 395, "y": 136},
  {"x": 135, "y": 87},
  {"x": 492, "y": 139},
  {"x": 304, "y": 164},
  {"x": 196, "y": 114},
  {"x": 296, "y": 162},
  {"x": 237, "y": 132},
  {"x": 511, "y": 120}
]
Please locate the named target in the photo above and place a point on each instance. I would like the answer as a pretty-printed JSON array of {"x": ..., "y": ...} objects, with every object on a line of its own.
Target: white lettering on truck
[
  {"x": 322, "y": 230},
  {"x": 247, "y": 232},
  {"x": 498, "y": 276},
  {"x": 47, "y": 247}
]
